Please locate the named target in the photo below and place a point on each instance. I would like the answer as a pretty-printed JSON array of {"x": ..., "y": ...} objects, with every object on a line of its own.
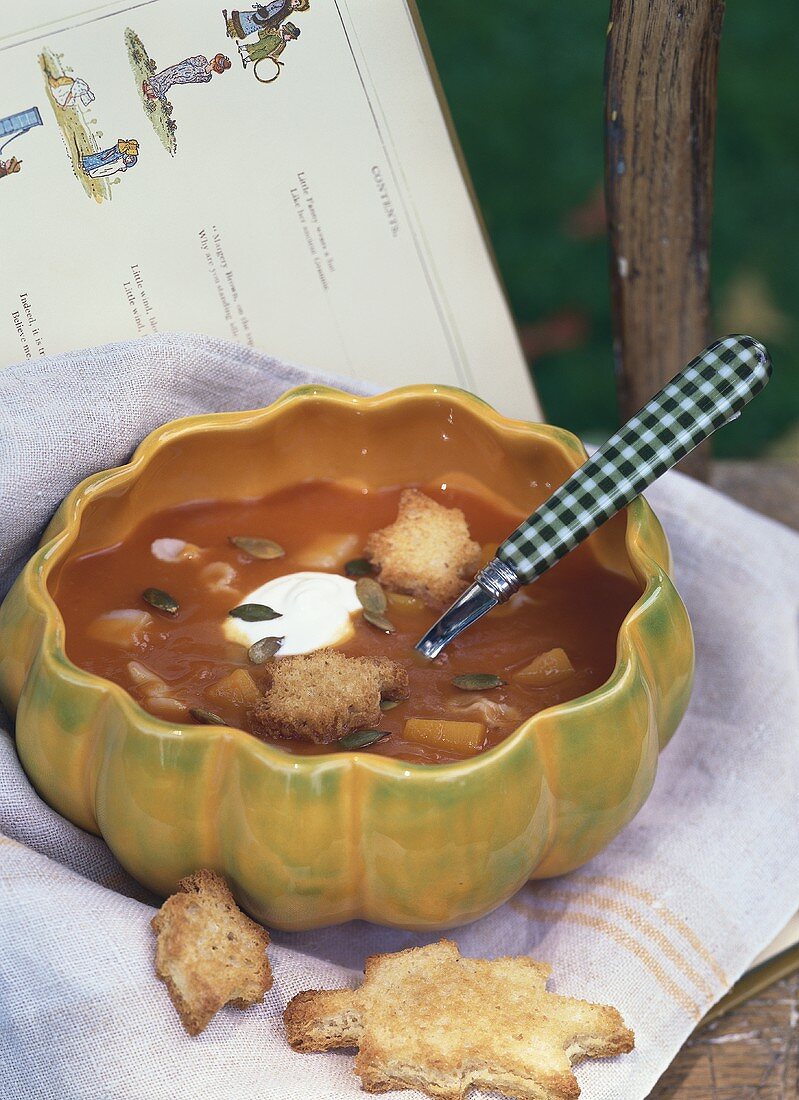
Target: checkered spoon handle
[
  {"x": 711, "y": 390},
  {"x": 708, "y": 393}
]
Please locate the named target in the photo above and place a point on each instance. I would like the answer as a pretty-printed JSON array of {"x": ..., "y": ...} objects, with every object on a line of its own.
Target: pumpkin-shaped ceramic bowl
[{"x": 313, "y": 840}]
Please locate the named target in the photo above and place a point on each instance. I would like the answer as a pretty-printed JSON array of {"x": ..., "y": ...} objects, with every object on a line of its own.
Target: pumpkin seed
[
  {"x": 371, "y": 595},
  {"x": 254, "y": 613},
  {"x": 380, "y": 621},
  {"x": 359, "y": 567},
  {"x": 264, "y": 549},
  {"x": 389, "y": 704},
  {"x": 260, "y": 652},
  {"x": 162, "y": 601},
  {"x": 361, "y": 739},
  {"x": 207, "y": 716},
  {"x": 477, "y": 681}
]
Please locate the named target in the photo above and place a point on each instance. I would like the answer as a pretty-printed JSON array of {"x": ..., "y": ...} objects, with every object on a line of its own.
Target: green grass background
[{"x": 524, "y": 83}]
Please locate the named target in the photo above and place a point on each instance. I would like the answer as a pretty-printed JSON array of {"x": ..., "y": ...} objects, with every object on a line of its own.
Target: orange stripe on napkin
[
  {"x": 676, "y": 922},
  {"x": 552, "y": 916},
  {"x": 612, "y": 905}
]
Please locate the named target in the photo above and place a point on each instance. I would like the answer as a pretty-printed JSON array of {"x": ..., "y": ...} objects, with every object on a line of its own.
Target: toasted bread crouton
[
  {"x": 426, "y": 552},
  {"x": 321, "y": 696},
  {"x": 428, "y": 1019},
  {"x": 208, "y": 952}
]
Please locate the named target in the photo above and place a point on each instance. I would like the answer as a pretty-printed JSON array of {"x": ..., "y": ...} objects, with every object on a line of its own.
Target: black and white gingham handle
[{"x": 709, "y": 392}]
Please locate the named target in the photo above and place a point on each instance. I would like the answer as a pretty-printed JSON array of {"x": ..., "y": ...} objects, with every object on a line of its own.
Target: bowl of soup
[{"x": 145, "y": 645}]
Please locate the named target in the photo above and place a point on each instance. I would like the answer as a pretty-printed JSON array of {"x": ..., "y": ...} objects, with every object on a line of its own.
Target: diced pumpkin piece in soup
[
  {"x": 439, "y": 733},
  {"x": 546, "y": 669},
  {"x": 401, "y": 602},
  {"x": 124, "y": 628},
  {"x": 328, "y": 551},
  {"x": 237, "y": 688}
]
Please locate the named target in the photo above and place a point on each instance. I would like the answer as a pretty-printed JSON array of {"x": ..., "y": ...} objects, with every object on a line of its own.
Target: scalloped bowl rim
[{"x": 74, "y": 504}]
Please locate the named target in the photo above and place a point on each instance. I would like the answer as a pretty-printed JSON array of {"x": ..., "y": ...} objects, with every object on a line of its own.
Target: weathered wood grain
[
  {"x": 766, "y": 486},
  {"x": 751, "y": 1053},
  {"x": 660, "y": 116}
]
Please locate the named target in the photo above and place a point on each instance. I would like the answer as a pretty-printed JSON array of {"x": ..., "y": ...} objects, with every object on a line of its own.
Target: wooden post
[{"x": 660, "y": 122}]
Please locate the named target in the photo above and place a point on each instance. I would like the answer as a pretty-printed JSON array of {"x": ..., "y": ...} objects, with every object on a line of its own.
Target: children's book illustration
[
  {"x": 153, "y": 85},
  {"x": 269, "y": 47},
  {"x": 107, "y": 162},
  {"x": 9, "y": 167},
  {"x": 335, "y": 185},
  {"x": 269, "y": 31},
  {"x": 193, "y": 70},
  {"x": 73, "y": 105},
  {"x": 12, "y": 127},
  {"x": 269, "y": 16},
  {"x": 70, "y": 91}
]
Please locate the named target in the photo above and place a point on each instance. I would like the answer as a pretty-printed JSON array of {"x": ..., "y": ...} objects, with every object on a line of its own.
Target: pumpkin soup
[{"x": 208, "y": 613}]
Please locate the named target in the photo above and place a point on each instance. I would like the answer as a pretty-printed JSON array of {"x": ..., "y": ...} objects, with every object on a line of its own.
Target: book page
[
  {"x": 789, "y": 937},
  {"x": 279, "y": 175}
]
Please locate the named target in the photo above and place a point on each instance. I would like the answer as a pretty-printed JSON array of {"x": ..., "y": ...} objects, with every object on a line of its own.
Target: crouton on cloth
[
  {"x": 208, "y": 953},
  {"x": 428, "y": 1018}
]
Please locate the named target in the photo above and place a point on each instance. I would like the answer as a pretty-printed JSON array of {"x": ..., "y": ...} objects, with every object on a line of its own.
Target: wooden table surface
[{"x": 751, "y": 1053}]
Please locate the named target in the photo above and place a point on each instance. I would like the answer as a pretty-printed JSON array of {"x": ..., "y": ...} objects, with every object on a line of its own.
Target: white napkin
[{"x": 660, "y": 925}]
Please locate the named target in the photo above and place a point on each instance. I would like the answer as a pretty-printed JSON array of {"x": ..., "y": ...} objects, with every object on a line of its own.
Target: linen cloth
[{"x": 660, "y": 924}]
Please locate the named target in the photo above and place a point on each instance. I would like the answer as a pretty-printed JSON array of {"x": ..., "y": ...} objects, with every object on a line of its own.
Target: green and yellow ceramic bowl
[{"x": 313, "y": 840}]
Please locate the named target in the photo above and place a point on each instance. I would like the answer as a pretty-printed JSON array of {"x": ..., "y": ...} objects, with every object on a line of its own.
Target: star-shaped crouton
[
  {"x": 321, "y": 696},
  {"x": 426, "y": 1018},
  {"x": 208, "y": 952},
  {"x": 427, "y": 552}
]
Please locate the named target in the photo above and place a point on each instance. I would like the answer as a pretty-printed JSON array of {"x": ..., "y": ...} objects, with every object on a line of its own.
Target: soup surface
[{"x": 111, "y": 631}]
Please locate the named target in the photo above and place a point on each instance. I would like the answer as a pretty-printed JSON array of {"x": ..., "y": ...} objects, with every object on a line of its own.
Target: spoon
[{"x": 709, "y": 392}]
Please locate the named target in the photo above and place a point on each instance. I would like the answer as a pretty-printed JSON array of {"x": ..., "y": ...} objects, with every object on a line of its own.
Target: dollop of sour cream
[{"x": 315, "y": 611}]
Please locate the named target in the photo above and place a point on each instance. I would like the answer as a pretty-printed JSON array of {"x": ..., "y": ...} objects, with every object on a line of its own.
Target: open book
[
  {"x": 281, "y": 175},
  {"x": 776, "y": 961}
]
